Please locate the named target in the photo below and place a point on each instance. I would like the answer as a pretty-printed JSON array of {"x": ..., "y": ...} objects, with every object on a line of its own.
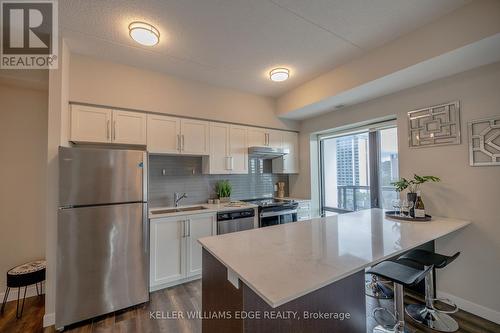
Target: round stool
[
  {"x": 23, "y": 276},
  {"x": 427, "y": 314},
  {"x": 401, "y": 275}
]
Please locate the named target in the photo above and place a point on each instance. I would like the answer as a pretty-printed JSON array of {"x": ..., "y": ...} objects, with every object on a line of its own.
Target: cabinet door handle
[
  {"x": 267, "y": 139},
  {"x": 114, "y": 129},
  {"x": 107, "y": 129},
  {"x": 182, "y": 137},
  {"x": 178, "y": 142},
  {"x": 183, "y": 233},
  {"x": 188, "y": 222},
  {"x": 232, "y": 163}
]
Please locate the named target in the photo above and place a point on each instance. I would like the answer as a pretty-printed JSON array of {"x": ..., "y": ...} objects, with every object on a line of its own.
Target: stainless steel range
[{"x": 275, "y": 211}]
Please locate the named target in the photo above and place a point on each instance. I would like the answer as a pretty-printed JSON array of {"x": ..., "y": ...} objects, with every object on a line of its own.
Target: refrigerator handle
[
  {"x": 145, "y": 178},
  {"x": 145, "y": 228}
]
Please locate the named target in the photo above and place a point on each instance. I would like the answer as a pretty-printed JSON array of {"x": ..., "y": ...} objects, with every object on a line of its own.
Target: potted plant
[
  {"x": 223, "y": 190},
  {"x": 413, "y": 185}
]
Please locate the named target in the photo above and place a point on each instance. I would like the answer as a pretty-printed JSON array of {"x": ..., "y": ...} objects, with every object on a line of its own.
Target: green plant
[
  {"x": 413, "y": 185},
  {"x": 223, "y": 189}
]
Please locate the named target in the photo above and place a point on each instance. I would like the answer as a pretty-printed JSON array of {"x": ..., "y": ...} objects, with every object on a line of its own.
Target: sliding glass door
[{"x": 357, "y": 169}]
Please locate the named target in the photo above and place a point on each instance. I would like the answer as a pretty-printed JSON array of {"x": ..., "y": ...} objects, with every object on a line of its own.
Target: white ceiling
[{"x": 234, "y": 43}]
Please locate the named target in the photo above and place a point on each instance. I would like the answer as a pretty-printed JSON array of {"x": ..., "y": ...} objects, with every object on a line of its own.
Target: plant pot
[
  {"x": 412, "y": 197},
  {"x": 224, "y": 199}
]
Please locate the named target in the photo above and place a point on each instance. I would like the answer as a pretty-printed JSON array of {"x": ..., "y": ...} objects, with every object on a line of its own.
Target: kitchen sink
[{"x": 178, "y": 210}]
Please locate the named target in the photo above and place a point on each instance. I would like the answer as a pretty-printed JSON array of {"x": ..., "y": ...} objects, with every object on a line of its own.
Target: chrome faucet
[{"x": 178, "y": 197}]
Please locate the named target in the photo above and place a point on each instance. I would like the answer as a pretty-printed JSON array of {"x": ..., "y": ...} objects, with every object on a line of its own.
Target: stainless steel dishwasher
[{"x": 233, "y": 221}]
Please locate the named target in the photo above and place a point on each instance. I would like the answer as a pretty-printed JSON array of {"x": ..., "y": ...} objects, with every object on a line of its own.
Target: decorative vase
[
  {"x": 224, "y": 199},
  {"x": 412, "y": 197}
]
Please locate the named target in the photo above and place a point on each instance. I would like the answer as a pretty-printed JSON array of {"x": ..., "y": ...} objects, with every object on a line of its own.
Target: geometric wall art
[
  {"x": 434, "y": 126},
  {"x": 484, "y": 142}
]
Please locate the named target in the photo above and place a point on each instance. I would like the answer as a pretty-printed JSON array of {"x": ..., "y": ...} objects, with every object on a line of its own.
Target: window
[{"x": 357, "y": 169}]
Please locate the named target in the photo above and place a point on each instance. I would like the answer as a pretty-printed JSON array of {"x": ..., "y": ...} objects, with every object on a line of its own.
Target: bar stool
[
  {"x": 426, "y": 314},
  {"x": 401, "y": 275},
  {"x": 377, "y": 288}
]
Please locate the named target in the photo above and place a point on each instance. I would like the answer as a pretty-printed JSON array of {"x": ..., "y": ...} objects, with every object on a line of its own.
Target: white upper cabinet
[
  {"x": 238, "y": 148},
  {"x": 129, "y": 127},
  {"x": 171, "y": 135},
  {"x": 257, "y": 137},
  {"x": 163, "y": 134},
  {"x": 195, "y": 137},
  {"x": 100, "y": 125},
  {"x": 262, "y": 137},
  {"x": 275, "y": 138},
  {"x": 290, "y": 162},
  {"x": 228, "y": 149},
  {"x": 90, "y": 124},
  {"x": 218, "y": 161}
]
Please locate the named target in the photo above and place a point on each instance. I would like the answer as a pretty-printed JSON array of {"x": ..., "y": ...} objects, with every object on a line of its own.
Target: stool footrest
[{"x": 446, "y": 301}]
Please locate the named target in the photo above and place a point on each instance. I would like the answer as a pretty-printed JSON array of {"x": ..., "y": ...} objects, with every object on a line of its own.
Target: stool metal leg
[
  {"x": 377, "y": 289},
  {"x": 427, "y": 315},
  {"x": 20, "y": 314},
  {"x": 5, "y": 299},
  {"x": 399, "y": 313}
]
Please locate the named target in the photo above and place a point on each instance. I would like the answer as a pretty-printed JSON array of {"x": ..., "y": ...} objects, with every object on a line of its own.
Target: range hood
[{"x": 266, "y": 152}]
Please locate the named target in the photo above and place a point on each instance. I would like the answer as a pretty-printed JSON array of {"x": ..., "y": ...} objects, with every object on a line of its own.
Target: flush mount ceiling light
[
  {"x": 279, "y": 74},
  {"x": 144, "y": 33}
]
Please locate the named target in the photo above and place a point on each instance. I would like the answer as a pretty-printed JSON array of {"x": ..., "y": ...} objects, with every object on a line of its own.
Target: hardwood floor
[{"x": 186, "y": 297}]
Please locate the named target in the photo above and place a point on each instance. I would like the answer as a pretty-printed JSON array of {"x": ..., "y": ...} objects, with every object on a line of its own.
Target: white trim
[
  {"x": 473, "y": 308},
  {"x": 49, "y": 319},
  {"x": 30, "y": 292},
  {"x": 173, "y": 283}
]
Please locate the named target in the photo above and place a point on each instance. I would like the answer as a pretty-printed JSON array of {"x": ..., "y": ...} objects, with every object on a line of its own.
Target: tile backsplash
[{"x": 169, "y": 174}]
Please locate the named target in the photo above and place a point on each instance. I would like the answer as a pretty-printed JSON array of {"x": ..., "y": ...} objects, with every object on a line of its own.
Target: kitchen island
[{"x": 306, "y": 276}]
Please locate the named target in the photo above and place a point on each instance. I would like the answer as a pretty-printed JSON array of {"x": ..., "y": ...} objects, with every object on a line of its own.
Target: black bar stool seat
[
  {"x": 401, "y": 275},
  {"x": 427, "y": 314},
  {"x": 428, "y": 258}
]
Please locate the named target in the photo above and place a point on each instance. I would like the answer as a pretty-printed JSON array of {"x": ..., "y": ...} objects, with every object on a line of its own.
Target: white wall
[
  {"x": 23, "y": 131},
  {"x": 100, "y": 82},
  {"x": 466, "y": 192}
]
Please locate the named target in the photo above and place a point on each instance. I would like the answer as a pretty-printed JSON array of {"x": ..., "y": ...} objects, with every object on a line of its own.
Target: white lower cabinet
[
  {"x": 175, "y": 254},
  {"x": 198, "y": 226}
]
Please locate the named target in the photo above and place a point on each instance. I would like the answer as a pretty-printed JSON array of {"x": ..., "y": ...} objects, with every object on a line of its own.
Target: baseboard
[
  {"x": 49, "y": 319},
  {"x": 473, "y": 308},
  {"x": 30, "y": 292},
  {"x": 174, "y": 283}
]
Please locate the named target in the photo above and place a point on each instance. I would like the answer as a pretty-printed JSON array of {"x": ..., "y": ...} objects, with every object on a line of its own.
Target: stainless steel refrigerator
[{"x": 102, "y": 233}]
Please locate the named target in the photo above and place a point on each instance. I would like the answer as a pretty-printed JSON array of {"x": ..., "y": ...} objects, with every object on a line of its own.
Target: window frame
[{"x": 373, "y": 155}]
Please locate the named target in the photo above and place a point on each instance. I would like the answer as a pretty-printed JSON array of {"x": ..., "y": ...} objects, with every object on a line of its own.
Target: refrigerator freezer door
[
  {"x": 102, "y": 260},
  {"x": 89, "y": 176}
]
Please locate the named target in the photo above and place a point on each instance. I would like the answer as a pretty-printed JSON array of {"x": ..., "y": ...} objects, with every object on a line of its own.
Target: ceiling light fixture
[
  {"x": 144, "y": 33},
  {"x": 279, "y": 74}
]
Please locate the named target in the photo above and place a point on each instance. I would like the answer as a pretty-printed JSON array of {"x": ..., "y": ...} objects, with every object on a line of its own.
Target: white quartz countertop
[
  {"x": 281, "y": 263},
  {"x": 209, "y": 208}
]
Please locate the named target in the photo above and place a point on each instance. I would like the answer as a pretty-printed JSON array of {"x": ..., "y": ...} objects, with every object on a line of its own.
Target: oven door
[
  {"x": 277, "y": 217},
  {"x": 288, "y": 217}
]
